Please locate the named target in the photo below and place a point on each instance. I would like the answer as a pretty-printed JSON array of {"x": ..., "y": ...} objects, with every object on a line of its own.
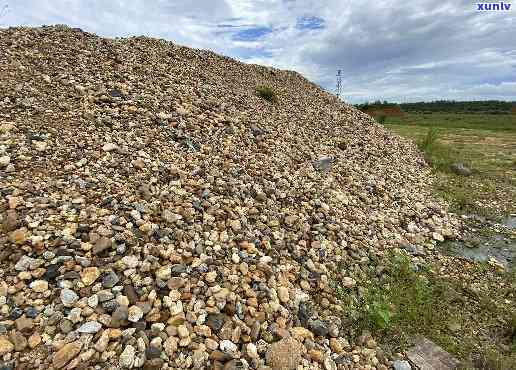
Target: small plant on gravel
[
  {"x": 410, "y": 300},
  {"x": 428, "y": 143},
  {"x": 267, "y": 93}
]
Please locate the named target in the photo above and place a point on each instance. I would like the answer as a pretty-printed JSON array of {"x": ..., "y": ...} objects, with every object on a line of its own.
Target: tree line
[{"x": 446, "y": 106}]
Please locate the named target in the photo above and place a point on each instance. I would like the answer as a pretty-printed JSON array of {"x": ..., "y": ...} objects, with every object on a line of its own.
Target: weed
[
  {"x": 429, "y": 141},
  {"x": 267, "y": 93},
  {"x": 381, "y": 119},
  {"x": 408, "y": 301}
]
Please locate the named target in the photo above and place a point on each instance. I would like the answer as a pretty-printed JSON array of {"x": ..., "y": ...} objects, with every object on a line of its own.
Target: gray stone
[
  {"x": 323, "y": 163},
  {"x": 401, "y": 365},
  {"x": 461, "y": 169},
  {"x": 90, "y": 327},
  {"x": 318, "y": 327},
  {"x": 68, "y": 297},
  {"x": 110, "y": 279}
]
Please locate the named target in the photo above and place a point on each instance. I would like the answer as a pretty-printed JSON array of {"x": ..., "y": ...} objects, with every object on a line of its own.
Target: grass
[
  {"x": 465, "y": 307},
  {"x": 485, "y": 143},
  {"x": 267, "y": 93},
  {"x": 406, "y": 301}
]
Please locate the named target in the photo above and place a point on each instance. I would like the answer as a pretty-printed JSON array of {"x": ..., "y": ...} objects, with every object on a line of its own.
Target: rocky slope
[{"x": 157, "y": 213}]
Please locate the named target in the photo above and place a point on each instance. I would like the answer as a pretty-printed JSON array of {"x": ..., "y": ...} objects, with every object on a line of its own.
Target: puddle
[
  {"x": 501, "y": 245},
  {"x": 510, "y": 222}
]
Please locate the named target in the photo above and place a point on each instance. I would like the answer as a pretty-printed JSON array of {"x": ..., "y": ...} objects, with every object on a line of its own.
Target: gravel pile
[{"x": 157, "y": 213}]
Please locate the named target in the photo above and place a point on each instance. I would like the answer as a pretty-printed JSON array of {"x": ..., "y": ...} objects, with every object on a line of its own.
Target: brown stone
[
  {"x": 285, "y": 354},
  {"x": 66, "y": 354},
  {"x": 5, "y": 346},
  {"x": 101, "y": 245}
]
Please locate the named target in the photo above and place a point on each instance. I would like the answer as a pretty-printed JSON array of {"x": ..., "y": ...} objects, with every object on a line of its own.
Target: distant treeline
[{"x": 446, "y": 106}]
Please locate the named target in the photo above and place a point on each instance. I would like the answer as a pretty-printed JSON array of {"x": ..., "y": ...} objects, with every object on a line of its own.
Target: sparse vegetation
[
  {"x": 381, "y": 119},
  {"x": 484, "y": 143},
  {"x": 408, "y": 300},
  {"x": 465, "y": 307},
  {"x": 267, "y": 93}
]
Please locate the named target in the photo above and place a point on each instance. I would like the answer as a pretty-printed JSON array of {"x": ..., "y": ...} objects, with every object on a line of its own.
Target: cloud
[{"x": 387, "y": 49}]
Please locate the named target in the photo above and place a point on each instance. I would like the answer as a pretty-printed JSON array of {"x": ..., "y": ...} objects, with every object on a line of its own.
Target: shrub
[
  {"x": 381, "y": 119},
  {"x": 429, "y": 141},
  {"x": 266, "y": 93}
]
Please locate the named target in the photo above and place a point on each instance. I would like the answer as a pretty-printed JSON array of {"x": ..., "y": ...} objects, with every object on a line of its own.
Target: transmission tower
[{"x": 339, "y": 83}]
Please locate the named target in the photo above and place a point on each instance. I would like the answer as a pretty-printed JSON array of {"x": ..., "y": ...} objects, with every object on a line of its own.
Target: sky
[{"x": 395, "y": 50}]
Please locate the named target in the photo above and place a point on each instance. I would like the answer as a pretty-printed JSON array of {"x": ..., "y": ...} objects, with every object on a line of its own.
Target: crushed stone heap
[{"x": 157, "y": 213}]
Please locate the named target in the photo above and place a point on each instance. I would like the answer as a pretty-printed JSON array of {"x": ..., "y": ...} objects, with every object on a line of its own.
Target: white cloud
[{"x": 390, "y": 49}]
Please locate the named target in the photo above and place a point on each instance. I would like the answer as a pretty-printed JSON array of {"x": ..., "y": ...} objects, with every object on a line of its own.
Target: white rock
[
  {"x": 39, "y": 286},
  {"x": 164, "y": 273},
  {"x": 68, "y": 297},
  {"x": 251, "y": 350},
  {"x": 134, "y": 314},
  {"x": 109, "y": 147},
  {"x": 93, "y": 301},
  {"x": 438, "y": 237},
  {"x": 130, "y": 261},
  {"x": 5, "y": 160},
  {"x": 90, "y": 327},
  {"x": 228, "y": 346},
  {"x": 211, "y": 276},
  {"x": 266, "y": 259},
  {"x": 348, "y": 282},
  {"x": 182, "y": 331},
  {"x": 283, "y": 294},
  {"x": 127, "y": 357},
  {"x": 40, "y": 146}
]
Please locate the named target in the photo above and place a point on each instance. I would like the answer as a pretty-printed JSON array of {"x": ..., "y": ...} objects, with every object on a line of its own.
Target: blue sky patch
[
  {"x": 310, "y": 23},
  {"x": 251, "y": 33}
]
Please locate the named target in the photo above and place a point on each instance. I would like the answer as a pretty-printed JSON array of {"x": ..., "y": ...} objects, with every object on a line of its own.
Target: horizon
[{"x": 404, "y": 53}]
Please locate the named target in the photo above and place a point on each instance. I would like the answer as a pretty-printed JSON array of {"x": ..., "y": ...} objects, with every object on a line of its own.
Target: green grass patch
[
  {"x": 267, "y": 93},
  {"x": 408, "y": 300},
  {"x": 484, "y": 143},
  {"x": 490, "y": 122}
]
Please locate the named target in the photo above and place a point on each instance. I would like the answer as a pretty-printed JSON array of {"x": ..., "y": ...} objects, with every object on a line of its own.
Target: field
[
  {"x": 485, "y": 143},
  {"x": 467, "y": 306}
]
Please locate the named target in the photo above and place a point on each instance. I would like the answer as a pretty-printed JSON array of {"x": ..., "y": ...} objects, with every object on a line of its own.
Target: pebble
[
  {"x": 90, "y": 327},
  {"x": 134, "y": 314},
  {"x": 4, "y": 161},
  {"x": 283, "y": 294},
  {"x": 348, "y": 282},
  {"x": 401, "y": 365},
  {"x": 228, "y": 347},
  {"x": 39, "y": 286},
  {"x": 182, "y": 331},
  {"x": 126, "y": 359},
  {"x": 89, "y": 275},
  {"x": 285, "y": 354},
  {"x": 68, "y": 297},
  {"x": 5, "y": 346},
  {"x": 109, "y": 147},
  {"x": 66, "y": 354}
]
